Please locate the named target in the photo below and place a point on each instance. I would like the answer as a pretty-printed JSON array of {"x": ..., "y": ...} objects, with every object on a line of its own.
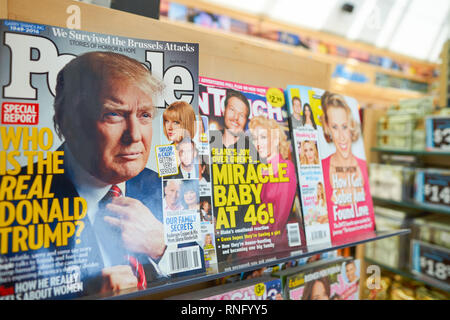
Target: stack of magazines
[{"x": 122, "y": 167}]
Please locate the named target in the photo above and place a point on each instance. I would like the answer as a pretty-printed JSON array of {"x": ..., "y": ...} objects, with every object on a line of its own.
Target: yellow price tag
[
  {"x": 275, "y": 97},
  {"x": 260, "y": 288}
]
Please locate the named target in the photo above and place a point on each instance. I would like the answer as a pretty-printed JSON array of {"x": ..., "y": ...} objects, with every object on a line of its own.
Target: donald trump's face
[
  {"x": 122, "y": 132},
  {"x": 104, "y": 110}
]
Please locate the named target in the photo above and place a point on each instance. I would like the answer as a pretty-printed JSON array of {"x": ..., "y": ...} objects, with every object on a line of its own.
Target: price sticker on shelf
[
  {"x": 438, "y": 132},
  {"x": 436, "y": 189},
  {"x": 442, "y": 138},
  {"x": 431, "y": 262},
  {"x": 437, "y": 194},
  {"x": 260, "y": 288},
  {"x": 275, "y": 97}
]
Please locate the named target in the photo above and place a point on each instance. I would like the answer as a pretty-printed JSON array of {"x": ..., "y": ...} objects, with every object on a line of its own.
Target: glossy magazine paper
[
  {"x": 334, "y": 281},
  {"x": 326, "y": 130},
  {"x": 99, "y": 177},
  {"x": 259, "y": 288},
  {"x": 255, "y": 202},
  {"x": 265, "y": 289}
]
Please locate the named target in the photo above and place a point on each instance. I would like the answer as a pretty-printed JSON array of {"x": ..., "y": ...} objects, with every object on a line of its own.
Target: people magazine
[{"x": 99, "y": 163}]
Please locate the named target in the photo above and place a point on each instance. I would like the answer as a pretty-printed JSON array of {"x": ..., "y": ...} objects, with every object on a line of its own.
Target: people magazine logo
[{"x": 20, "y": 113}]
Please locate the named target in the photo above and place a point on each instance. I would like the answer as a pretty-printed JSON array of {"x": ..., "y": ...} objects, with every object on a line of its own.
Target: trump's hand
[
  {"x": 141, "y": 231},
  {"x": 118, "y": 278}
]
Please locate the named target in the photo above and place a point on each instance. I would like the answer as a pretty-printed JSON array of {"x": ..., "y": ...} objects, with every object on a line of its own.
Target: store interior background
[
  {"x": 415, "y": 28},
  {"x": 393, "y": 56}
]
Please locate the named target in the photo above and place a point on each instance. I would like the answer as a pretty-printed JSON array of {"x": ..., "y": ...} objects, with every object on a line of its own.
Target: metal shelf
[
  {"x": 255, "y": 263},
  {"x": 413, "y": 205},
  {"x": 407, "y": 274}
]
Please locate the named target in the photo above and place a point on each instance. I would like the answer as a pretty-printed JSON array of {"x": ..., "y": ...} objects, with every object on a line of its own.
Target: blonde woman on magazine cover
[
  {"x": 271, "y": 144},
  {"x": 341, "y": 129},
  {"x": 308, "y": 153}
]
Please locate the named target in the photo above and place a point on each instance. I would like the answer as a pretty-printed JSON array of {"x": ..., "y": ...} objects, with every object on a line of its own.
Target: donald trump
[{"x": 104, "y": 113}]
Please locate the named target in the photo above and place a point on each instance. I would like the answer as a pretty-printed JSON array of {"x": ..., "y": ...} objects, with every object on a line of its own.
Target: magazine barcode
[
  {"x": 184, "y": 259},
  {"x": 293, "y": 233},
  {"x": 320, "y": 234}
]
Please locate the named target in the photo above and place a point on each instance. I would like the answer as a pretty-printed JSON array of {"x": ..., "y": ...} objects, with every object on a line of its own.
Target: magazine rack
[
  {"x": 259, "y": 262},
  {"x": 223, "y": 56}
]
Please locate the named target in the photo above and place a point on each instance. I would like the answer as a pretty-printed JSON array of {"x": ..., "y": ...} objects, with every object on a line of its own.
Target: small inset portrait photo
[
  {"x": 190, "y": 196},
  {"x": 308, "y": 153},
  {"x": 187, "y": 156},
  {"x": 205, "y": 210},
  {"x": 203, "y": 170},
  {"x": 350, "y": 271}
]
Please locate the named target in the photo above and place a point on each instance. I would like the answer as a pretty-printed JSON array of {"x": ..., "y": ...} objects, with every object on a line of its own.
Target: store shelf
[
  {"x": 407, "y": 274},
  {"x": 413, "y": 205},
  {"x": 247, "y": 60},
  {"x": 444, "y": 153},
  {"x": 256, "y": 263}
]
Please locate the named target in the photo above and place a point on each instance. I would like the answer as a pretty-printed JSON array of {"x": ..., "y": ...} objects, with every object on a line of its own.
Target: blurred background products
[
  {"x": 396, "y": 287},
  {"x": 403, "y": 125}
]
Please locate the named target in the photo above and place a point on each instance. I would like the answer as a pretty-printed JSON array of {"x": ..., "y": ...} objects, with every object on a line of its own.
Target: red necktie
[
  {"x": 115, "y": 191},
  {"x": 138, "y": 269}
]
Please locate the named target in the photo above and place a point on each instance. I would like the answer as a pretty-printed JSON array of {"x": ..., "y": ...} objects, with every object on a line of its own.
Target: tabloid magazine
[
  {"x": 266, "y": 288},
  {"x": 334, "y": 281},
  {"x": 99, "y": 163},
  {"x": 260, "y": 288},
  {"x": 255, "y": 202},
  {"x": 334, "y": 184}
]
